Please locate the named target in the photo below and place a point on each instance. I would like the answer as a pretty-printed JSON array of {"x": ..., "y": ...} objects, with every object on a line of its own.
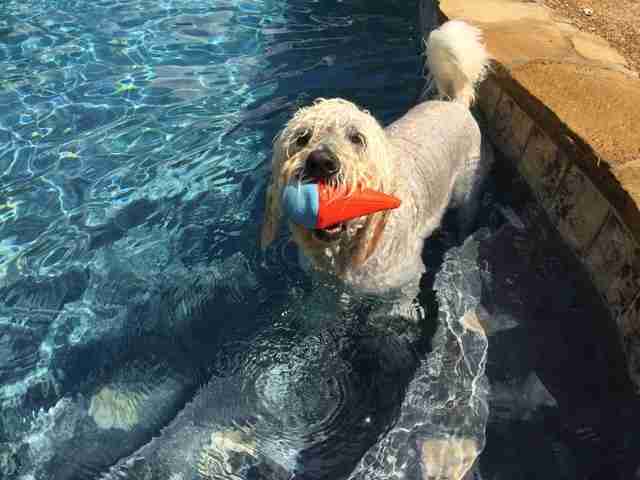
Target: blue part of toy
[{"x": 301, "y": 203}]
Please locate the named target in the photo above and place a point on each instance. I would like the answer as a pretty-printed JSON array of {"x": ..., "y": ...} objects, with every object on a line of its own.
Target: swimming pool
[{"x": 142, "y": 331}]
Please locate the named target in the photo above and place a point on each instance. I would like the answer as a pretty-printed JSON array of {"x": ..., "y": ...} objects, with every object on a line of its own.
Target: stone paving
[{"x": 617, "y": 21}]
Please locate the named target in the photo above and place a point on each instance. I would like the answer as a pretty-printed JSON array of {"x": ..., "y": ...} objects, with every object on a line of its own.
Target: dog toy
[{"x": 318, "y": 206}]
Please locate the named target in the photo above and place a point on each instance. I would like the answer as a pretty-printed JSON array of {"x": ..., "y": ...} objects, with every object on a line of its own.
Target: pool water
[{"x": 144, "y": 335}]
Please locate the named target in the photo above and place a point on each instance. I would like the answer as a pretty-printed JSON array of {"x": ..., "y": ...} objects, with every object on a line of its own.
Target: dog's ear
[
  {"x": 272, "y": 214},
  {"x": 370, "y": 237}
]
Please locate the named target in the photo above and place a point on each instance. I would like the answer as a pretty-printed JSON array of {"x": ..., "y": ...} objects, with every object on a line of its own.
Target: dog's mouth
[{"x": 330, "y": 233}]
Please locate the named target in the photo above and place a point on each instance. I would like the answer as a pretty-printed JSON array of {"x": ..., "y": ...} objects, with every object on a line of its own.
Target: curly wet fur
[{"x": 431, "y": 158}]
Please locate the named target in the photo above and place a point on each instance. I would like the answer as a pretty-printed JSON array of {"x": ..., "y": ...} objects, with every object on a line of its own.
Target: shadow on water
[{"x": 562, "y": 405}]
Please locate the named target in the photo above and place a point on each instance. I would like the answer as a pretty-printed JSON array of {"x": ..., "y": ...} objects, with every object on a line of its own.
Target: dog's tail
[{"x": 457, "y": 60}]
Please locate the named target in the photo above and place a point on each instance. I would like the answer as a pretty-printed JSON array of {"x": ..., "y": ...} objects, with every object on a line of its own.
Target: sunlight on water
[{"x": 134, "y": 147}]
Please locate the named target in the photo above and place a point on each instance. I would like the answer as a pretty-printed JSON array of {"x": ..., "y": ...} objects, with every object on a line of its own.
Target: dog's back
[
  {"x": 458, "y": 61},
  {"x": 438, "y": 143},
  {"x": 436, "y": 146},
  {"x": 439, "y": 157}
]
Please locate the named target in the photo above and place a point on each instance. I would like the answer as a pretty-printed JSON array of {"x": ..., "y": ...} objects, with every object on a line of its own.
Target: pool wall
[{"x": 563, "y": 106}]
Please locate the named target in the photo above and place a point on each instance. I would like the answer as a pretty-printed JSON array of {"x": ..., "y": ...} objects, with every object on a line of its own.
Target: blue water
[
  {"x": 143, "y": 333},
  {"x": 135, "y": 138},
  {"x": 120, "y": 117}
]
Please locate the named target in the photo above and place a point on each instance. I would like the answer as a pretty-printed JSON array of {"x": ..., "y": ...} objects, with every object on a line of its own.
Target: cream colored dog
[{"x": 432, "y": 158}]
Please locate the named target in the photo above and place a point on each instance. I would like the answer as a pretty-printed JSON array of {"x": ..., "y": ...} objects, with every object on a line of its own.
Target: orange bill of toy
[{"x": 318, "y": 206}]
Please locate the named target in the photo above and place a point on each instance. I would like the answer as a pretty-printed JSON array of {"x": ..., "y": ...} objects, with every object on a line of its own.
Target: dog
[{"x": 432, "y": 159}]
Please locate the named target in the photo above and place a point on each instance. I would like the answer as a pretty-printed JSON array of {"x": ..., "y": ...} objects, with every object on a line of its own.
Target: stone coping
[{"x": 564, "y": 107}]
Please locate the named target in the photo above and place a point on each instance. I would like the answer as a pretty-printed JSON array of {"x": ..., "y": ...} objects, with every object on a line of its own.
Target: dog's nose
[{"x": 321, "y": 163}]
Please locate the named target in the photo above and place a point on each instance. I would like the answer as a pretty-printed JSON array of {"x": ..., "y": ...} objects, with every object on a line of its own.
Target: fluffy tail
[{"x": 457, "y": 60}]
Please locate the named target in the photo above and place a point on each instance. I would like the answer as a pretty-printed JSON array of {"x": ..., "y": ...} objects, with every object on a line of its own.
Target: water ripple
[{"x": 135, "y": 139}]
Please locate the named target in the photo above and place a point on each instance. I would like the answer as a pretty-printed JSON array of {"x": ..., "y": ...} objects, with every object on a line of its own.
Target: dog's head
[{"x": 344, "y": 146}]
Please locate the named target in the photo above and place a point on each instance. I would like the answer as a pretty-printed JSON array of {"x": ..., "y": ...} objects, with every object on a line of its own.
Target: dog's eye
[
  {"x": 357, "y": 139},
  {"x": 303, "y": 139}
]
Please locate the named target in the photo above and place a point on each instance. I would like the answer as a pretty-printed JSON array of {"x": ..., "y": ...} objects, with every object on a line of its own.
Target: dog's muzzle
[{"x": 321, "y": 163}]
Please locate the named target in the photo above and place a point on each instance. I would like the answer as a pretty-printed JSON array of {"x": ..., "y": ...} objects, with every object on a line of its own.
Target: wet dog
[{"x": 432, "y": 158}]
